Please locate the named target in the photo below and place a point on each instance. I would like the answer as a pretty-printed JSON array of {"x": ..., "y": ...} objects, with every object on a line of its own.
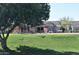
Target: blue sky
[{"x": 60, "y": 10}]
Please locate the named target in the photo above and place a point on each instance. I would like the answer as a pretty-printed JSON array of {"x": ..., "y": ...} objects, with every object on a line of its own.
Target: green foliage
[
  {"x": 29, "y": 13},
  {"x": 65, "y": 23},
  {"x": 15, "y": 14}
]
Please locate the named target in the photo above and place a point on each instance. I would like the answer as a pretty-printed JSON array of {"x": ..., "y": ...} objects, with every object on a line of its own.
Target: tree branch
[
  {"x": 0, "y": 38},
  {"x": 10, "y": 31},
  {"x": 3, "y": 34}
]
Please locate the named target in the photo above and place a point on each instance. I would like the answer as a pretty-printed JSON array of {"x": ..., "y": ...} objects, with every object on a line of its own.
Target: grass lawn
[{"x": 44, "y": 43}]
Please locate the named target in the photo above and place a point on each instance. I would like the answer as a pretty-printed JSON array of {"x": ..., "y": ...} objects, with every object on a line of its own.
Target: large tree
[
  {"x": 65, "y": 22},
  {"x": 12, "y": 15}
]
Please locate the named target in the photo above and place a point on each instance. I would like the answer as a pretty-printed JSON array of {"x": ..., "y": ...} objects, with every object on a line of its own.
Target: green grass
[{"x": 60, "y": 43}]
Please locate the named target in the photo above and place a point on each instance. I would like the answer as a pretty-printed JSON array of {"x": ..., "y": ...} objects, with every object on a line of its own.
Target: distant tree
[
  {"x": 65, "y": 22},
  {"x": 12, "y": 15}
]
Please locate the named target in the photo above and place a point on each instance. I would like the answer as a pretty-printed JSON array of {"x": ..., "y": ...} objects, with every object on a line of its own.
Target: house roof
[{"x": 74, "y": 23}]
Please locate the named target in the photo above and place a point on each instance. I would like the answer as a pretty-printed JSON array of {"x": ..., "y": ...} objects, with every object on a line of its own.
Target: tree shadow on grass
[{"x": 26, "y": 50}]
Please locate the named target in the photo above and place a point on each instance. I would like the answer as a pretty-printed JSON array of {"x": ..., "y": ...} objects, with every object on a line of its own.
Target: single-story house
[{"x": 48, "y": 26}]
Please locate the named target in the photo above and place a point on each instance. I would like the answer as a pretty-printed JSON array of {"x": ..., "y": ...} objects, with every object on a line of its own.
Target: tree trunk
[{"x": 4, "y": 45}]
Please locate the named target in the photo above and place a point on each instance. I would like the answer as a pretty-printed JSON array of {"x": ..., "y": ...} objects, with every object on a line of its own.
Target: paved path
[
  {"x": 58, "y": 33},
  {"x": 50, "y": 34}
]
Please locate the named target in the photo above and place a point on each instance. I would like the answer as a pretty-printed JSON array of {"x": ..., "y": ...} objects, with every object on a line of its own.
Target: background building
[{"x": 47, "y": 27}]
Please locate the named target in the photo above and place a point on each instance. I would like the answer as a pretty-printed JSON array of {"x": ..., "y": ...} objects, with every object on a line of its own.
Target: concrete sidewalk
[{"x": 57, "y": 33}]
